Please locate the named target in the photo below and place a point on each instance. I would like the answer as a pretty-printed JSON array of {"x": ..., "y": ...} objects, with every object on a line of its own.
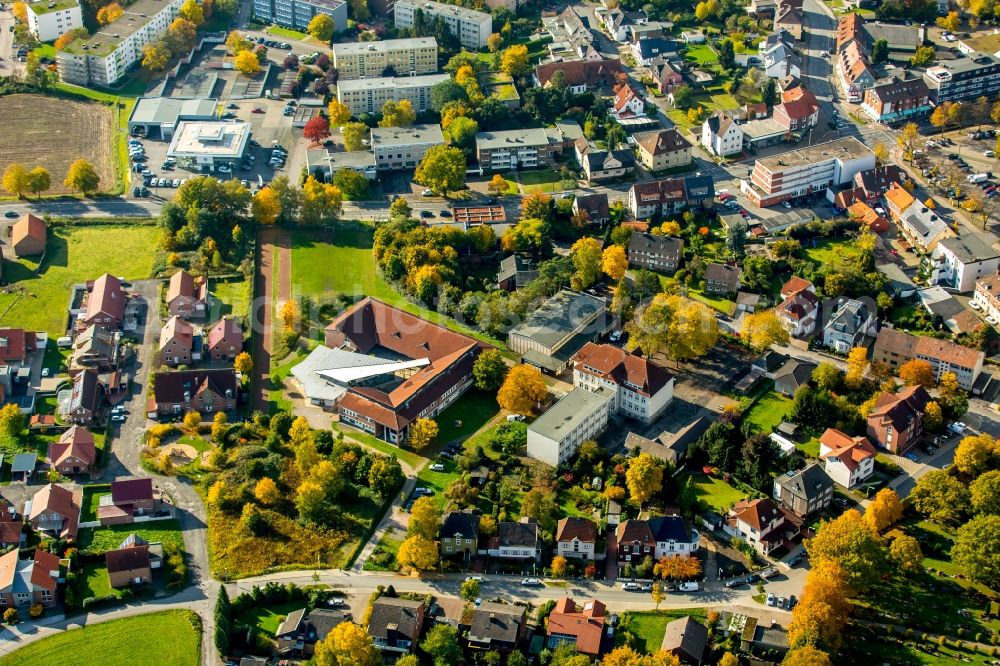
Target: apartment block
[
  {"x": 369, "y": 95},
  {"x": 894, "y": 348},
  {"x": 807, "y": 170},
  {"x": 966, "y": 78},
  {"x": 657, "y": 253},
  {"x": 403, "y": 147},
  {"x": 642, "y": 389},
  {"x": 297, "y": 14},
  {"x": 515, "y": 149},
  {"x": 393, "y": 57},
  {"x": 48, "y": 20},
  {"x": 897, "y": 101},
  {"x": 472, "y": 28},
  {"x": 104, "y": 57},
  {"x": 581, "y": 415}
]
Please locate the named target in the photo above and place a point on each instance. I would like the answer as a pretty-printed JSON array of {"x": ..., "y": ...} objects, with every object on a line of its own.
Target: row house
[
  {"x": 655, "y": 253},
  {"x": 897, "y": 102},
  {"x": 987, "y": 296},
  {"x": 670, "y": 195},
  {"x": 580, "y": 75},
  {"x": 895, "y": 348},
  {"x": 187, "y": 296}
]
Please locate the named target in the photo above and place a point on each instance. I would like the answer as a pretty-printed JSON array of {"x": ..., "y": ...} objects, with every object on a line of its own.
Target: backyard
[
  {"x": 39, "y": 294},
  {"x": 533, "y": 182},
  {"x": 647, "y": 628},
  {"x": 769, "y": 411},
  {"x": 466, "y": 416},
  {"x": 234, "y": 297},
  {"x": 100, "y": 539},
  {"x": 92, "y": 581},
  {"x": 170, "y": 637},
  {"x": 715, "y": 493},
  {"x": 267, "y": 619},
  {"x": 92, "y": 500},
  {"x": 826, "y": 251}
]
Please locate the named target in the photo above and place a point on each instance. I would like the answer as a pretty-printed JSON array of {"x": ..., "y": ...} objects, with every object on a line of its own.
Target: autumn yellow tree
[
  {"x": 614, "y": 262},
  {"x": 192, "y": 11},
  {"x": 975, "y": 454},
  {"x": 398, "y": 114},
  {"x": 243, "y": 363},
  {"x": 857, "y": 362},
  {"x": 559, "y": 564},
  {"x": 20, "y": 11},
  {"x": 321, "y": 27},
  {"x": 339, "y": 113},
  {"x": 82, "y": 177},
  {"x": 237, "y": 43},
  {"x": 885, "y": 510},
  {"x": 881, "y": 153},
  {"x": 266, "y": 492},
  {"x": 905, "y": 552},
  {"x": 418, "y": 552},
  {"x": 422, "y": 433},
  {"x": 290, "y": 315},
  {"x": 514, "y": 60},
  {"x": 522, "y": 390},
  {"x": 807, "y": 656},
  {"x": 644, "y": 477},
  {"x": 16, "y": 180},
  {"x": 192, "y": 420},
  {"x": 586, "y": 256},
  {"x": 763, "y": 329},
  {"x": 246, "y": 63},
  {"x": 933, "y": 416},
  {"x": 265, "y": 206},
  {"x": 494, "y": 42},
  {"x": 109, "y": 13},
  {"x": 681, "y": 327},
  {"x": 949, "y": 22},
  {"x": 821, "y": 614},
  {"x": 497, "y": 185},
  {"x": 347, "y": 645},
  {"x": 155, "y": 57},
  {"x": 917, "y": 372},
  {"x": 848, "y": 541}
]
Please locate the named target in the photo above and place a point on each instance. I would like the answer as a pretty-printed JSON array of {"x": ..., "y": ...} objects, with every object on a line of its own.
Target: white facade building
[
  {"x": 48, "y": 20},
  {"x": 403, "y": 147},
  {"x": 641, "y": 389},
  {"x": 471, "y": 27},
  {"x": 580, "y": 415},
  {"x": 720, "y": 135},
  {"x": 369, "y": 95},
  {"x": 210, "y": 143},
  {"x": 849, "y": 460},
  {"x": 960, "y": 262}
]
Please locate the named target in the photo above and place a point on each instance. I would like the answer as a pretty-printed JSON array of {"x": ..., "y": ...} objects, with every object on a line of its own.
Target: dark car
[
  {"x": 445, "y": 213},
  {"x": 426, "y": 213},
  {"x": 735, "y": 583},
  {"x": 10, "y": 213}
]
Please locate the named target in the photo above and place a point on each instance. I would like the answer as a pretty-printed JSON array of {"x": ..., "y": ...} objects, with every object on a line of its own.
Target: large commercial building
[
  {"x": 472, "y": 28},
  {"x": 581, "y": 415},
  {"x": 516, "y": 149},
  {"x": 297, "y": 14},
  {"x": 206, "y": 145},
  {"x": 105, "y": 56},
  {"x": 393, "y": 57},
  {"x": 48, "y": 20},
  {"x": 805, "y": 171},
  {"x": 368, "y": 95},
  {"x": 403, "y": 147},
  {"x": 975, "y": 76},
  {"x": 555, "y": 331},
  {"x": 158, "y": 117}
]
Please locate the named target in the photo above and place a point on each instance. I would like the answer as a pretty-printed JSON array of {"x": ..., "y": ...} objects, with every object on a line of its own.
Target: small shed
[
  {"x": 23, "y": 466},
  {"x": 787, "y": 429}
]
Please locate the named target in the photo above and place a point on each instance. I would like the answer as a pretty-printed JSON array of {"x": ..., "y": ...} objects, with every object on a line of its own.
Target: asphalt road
[
  {"x": 8, "y": 65},
  {"x": 110, "y": 207}
]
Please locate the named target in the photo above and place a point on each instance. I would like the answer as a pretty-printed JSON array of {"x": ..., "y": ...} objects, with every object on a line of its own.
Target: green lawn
[
  {"x": 93, "y": 581},
  {"x": 723, "y": 305},
  {"x": 45, "y": 50},
  {"x": 768, "y": 411},
  {"x": 511, "y": 184},
  {"x": 199, "y": 444},
  {"x": 533, "y": 182},
  {"x": 267, "y": 619},
  {"x": 101, "y": 539},
  {"x": 715, "y": 493},
  {"x": 40, "y": 294},
  {"x": 92, "y": 500},
  {"x": 472, "y": 411},
  {"x": 827, "y": 251},
  {"x": 809, "y": 448},
  {"x": 409, "y": 457},
  {"x": 383, "y": 558},
  {"x": 171, "y": 637},
  {"x": 701, "y": 54},
  {"x": 234, "y": 295},
  {"x": 438, "y": 481},
  {"x": 346, "y": 266},
  {"x": 648, "y": 628},
  {"x": 287, "y": 32}
]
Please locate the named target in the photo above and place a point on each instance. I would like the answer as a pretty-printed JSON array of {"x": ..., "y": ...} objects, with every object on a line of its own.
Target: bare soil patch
[{"x": 53, "y": 133}]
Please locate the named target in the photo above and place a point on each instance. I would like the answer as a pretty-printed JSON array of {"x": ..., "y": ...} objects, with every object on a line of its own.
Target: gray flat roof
[
  {"x": 392, "y": 82},
  {"x": 166, "y": 110},
  {"x": 530, "y": 136},
  {"x": 847, "y": 148},
  {"x": 353, "y": 48},
  {"x": 969, "y": 248},
  {"x": 110, "y": 36},
  {"x": 353, "y": 159},
  {"x": 403, "y": 136},
  {"x": 216, "y": 138},
  {"x": 451, "y": 10},
  {"x": 575, "y": 407},
  {"x": 559, "y": 316}
]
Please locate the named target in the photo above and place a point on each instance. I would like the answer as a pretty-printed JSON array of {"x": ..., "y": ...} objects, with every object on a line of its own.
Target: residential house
[
  {"x": 666, "y": 446},
  {"x": 853, "y": 72},
  {"x": 56, "y": 511},
  {"x": 515, "y": 272},
  {"x": 16, "y": 344},
  {"x": 395, "y": 625},
  {"x": 604, "y": 165},
  {"x": 897, "y": 101},
  {"x": 874, "y": 183},
  {"x": 187, "y": 296},
  {"x": 133, "y": 494},
  {"x": 499, "y": 627},
  {"x": 896, "y": 423},
  {"x": 777, "y": 54},
  {"x": 617, "y": 22},
  {"x": 686, "y": 639},
  {"x": 86, "y": 398},
  {"x": 923, "y": 227},
  {"x": 805, "y": 491},
  {"x": 649, "y": 48},
  {"x": 761, "y": 523},
  {"x": 579, "y": 75},
  {"x": 665, "y": 76},
  {"x": 595, "y": 206},
  {"x": 850, "y": 323},
  {"x": 721, "y": 135},
  {"x": 517, "y": 540},
  {"x": 74, "y": 453},
  {"x": 762, "y": 8},
  {"x": 459, "y": 534},
  {"x": 96, "y": 347},
  {"x": 299, "y": 632},
  {"x": 27, "y": 582},
  {"x": 205, "y": 391},
  {"x": 670, "y": 195},
  {"x": 673, "y": 537},
  {"x": 865, "y": 215},
  {"x": 898, "y": 200},
  {"x": 576, "y": 537},
  {"x": 580, "y": 625},
  {"x": 663, "y": 149},
  {"x": 177, "y": 343},
  {"x": 635, "y": 541},
  {"x": 656, "y": 253},
  {"x": 722, "y": 279},
  {"x": 789, "y": 19},
  {"x": 960, "y": 262},
  {"x": 28, "y": 235},
  {"x": 792, "y": 376},
  {"x": 105, "y": 303},
  {"x": 987, "y": 296},
  {"x": 895, "y": 347},
  {"x": 799, "y": 311},
  {"x": 628, "y": 103},
  {"x": 849, "y": 460},
  {"x": 225, "y": 341},
  {"x": 641, "y": 389},
  {"x": 11, "y": 527},
  {"x": 129, "y": 566},
  {"x": 798, "y": 111}
]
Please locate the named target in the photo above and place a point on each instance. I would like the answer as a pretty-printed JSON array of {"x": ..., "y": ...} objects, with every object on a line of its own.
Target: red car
[{"x": 258, "y": 110}]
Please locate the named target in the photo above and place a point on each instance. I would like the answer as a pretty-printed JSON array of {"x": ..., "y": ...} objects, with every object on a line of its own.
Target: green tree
[
  {"x": 976, "y": 552},
  {"x": 398, "y": 114},
  {"x": 923, "y": 56},
  {"x": 470, "y": 590},
  {"x": 462, "y": 133},
  {"x": 880, "y": 51},
  {"x": 39, "y": 180},
  {"x": 985, "y": 493},
  {"x": 223, "y": 622},
  {"x": 445, "y": 92},
  {"x": 352, "y": 184},
  {"x": 541, "y": 506},
  {"x": 354, "y": 135},
  {"x": 399, "y": 209},
  {"x": 529, "y": 235},
  {"x": 489, "y": 370},
  {"x": 12, "y": 421},
  {"x": 442, "y": 169},
  {"x": 941, "y": 497},
  {"x": 586, "y": 255},
  {"x": 727, "y": 54},
  {"x": 770, "y": 93},
  {"x": 442, "y": 645},
  {"x": 683, "y": 328}
]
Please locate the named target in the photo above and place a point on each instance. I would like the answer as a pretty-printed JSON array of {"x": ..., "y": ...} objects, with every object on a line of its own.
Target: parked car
[
  {"x": 735, "y": 583},
  {"x": 770, "y": 599},
  {"x": 957, "y": 427},
  {"x": 118, "y": 418},
  {"x": 514, "y": 417},
  {"x": 690, "y": 586},
  {"x": 781, "y": 602},
  {"x": 769, "y": 572},
  {"x": 531, "y": 582},
  {"x": 478, "y": 579},
  {"x": 630, "y": 587},
  {"x": 437, "y": 467}
]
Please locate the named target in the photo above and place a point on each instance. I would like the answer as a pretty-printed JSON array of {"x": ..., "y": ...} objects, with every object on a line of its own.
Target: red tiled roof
[
  {"x": 56, "y": 499},
  {"x": 586, "y": 623},
  {"x": 183, "y": 283},
  {"x": 224, "y": 329},
  {"x": 28, "y": 226},
  {"x": 616, "y": 364},
  {"x": 130, "y": 490},
  {"x": 179, "y": 330},
  {"x": 14, "y": 344},
  {"x": 851, "y": 451},
  {"x": 576, "y": 528},
  {"x": 580, "y": 72},
  {"x": 794, "y": 284},
  {"x": 624, "y": 96},
  {"x": 45, "y": 570},
  {"x": 758, "y": 513},
  {"x": 127, "y": 559},
  {"x": 106, "y": 297}
]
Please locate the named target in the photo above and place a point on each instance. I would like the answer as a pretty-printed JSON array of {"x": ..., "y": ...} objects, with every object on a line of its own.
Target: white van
[
  {"x": 688, "y": 587},
  {"x": 976, "y": 177}
]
